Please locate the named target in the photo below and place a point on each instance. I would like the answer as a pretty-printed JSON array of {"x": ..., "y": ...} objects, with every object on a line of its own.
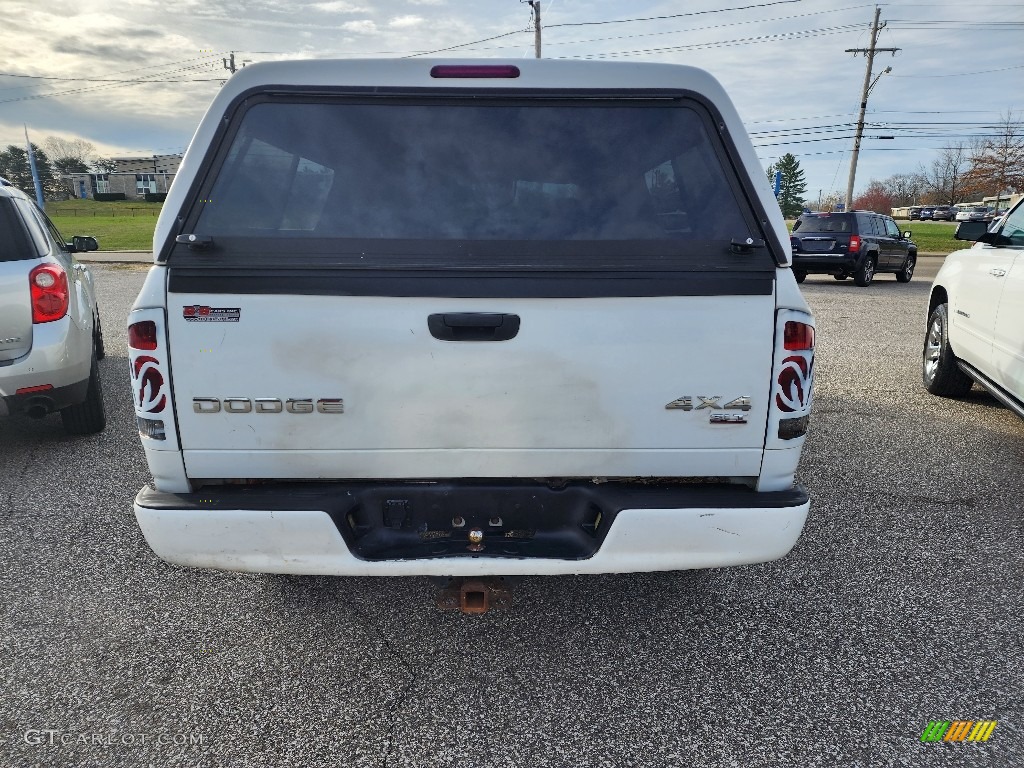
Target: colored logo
[
  {"x": 959, "y": 730},
  {"x": 149, "y": 384},
  {"x": 197, "y": 313},
  {"x": 796, "y": 379}
]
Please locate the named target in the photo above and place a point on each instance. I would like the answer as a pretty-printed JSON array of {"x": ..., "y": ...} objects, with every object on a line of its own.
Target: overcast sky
[{"x": 134, "y": 77}]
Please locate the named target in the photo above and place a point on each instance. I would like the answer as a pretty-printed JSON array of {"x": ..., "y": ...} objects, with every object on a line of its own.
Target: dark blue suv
[{"x": 855, "y": 244}]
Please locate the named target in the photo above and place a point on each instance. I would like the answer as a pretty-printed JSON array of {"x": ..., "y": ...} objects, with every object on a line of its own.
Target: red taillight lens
[
  {"x": 474, "y": 70},
  {"x": 854, "y": 244},
  {"x": 49, "y": 286},
  {"x": 142, "y": 335},
  {"x": 798, "y": 336}
]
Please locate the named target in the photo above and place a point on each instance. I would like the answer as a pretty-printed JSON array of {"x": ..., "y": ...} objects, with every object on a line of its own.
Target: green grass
[
  {"x": 933, "y": 236},
  {"x": 930, "y": 236},
  {"x": 117, "y": 226}
]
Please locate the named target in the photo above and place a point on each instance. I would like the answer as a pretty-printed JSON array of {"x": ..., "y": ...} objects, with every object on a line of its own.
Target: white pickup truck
[{"x": 471, "y": 318}]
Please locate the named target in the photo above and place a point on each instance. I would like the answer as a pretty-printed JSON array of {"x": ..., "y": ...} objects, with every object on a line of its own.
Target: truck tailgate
[{"x": 581, "y": 389}]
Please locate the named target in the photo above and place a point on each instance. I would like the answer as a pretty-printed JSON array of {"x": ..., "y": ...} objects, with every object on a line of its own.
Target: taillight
[
  {"x": 798, "y": 336},
  {"x": 142, "y": 335},
  {"x": 48, "y": 284},
  {"x": 854, "y": 244}
]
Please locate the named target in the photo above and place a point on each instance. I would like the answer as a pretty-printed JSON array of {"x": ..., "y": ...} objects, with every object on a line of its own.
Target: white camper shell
[{"x": 471, "y": 318}]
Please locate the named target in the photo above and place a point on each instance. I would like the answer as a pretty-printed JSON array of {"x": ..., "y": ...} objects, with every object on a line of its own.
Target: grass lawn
[
  {"x": 930, "y": 236},
  {"x": 118, "y": 226},
  {"x": 933, "y": 236}
]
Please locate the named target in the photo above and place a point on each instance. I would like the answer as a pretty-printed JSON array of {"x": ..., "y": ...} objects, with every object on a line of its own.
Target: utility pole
[
  {"x": 229, "y": 64},
  {"x": 535, "y": 4},
  {"x": 868, "y": 85},
  {"x": 35, "y": 171}
]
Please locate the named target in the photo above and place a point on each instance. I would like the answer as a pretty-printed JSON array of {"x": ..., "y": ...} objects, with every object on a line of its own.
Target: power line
[
  {"x": 107, "y": 77},
  {"x": 966, "y": 74},
  {"x": 463, "y": 45},
  {"x": 99, "y": 80},
  {"x": 139, "y": 81},
  {"x": 691, "y": 30},
  {"x": 779, "y": 37},
  {"x": 672, "y": 16}
]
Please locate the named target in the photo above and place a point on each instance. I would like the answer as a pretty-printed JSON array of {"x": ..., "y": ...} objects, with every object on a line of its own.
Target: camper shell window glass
[{"x": 389, "y": 172}]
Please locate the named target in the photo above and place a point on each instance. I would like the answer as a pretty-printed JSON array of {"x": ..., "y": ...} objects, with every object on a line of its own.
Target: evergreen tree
[
  {"x": 14, "y": 167},
  {"x": 794, "y": 187}
]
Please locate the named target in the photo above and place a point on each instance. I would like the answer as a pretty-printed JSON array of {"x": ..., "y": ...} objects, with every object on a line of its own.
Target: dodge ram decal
[
  {"x": 795, "y": 383},
  {"x": 148, "y": 384}
]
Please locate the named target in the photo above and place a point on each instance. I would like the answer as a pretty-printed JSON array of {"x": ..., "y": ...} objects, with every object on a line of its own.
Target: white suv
[
  {"x": 976, "y": 315},
  {"x": 471, "y": 318}
]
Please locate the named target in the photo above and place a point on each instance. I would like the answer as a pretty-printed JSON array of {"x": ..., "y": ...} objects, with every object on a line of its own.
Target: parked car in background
[
  {"x": 943, "y": 213},
  {"x": 976, "y": 313},
  {"x": 926, "y": 213},
  {"x": 974, "y": 213},
  {"x": 915, "y": 213},
  {"x": 855, "y": 244},
  {"x": 50, "y": 335}
]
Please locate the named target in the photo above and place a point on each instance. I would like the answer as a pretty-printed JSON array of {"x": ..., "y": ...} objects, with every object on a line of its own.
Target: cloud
[
  {"x": 363, "y": 26},
  {"x": 118, "y": 53},
  {"x": 406, "y": 22},
  {"x": 426, "y": 2},
  {"x": 339, "y": 6}
]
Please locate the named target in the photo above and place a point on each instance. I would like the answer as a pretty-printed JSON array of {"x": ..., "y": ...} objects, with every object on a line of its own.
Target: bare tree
[
  {"x": 832, "y": 200},
  {"x": 906, "y": 188},
  {"x": 997, "y": 163},
  {"x": 945, "y": 180},
  {"x": 69, "y": 155}
]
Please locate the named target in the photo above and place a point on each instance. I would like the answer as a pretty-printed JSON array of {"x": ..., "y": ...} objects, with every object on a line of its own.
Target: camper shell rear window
[{"x": 612, "y": 182}]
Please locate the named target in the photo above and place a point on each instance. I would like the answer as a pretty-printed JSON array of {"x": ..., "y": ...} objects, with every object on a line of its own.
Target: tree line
[
  {"x": 962, "y": 172},
  {"x": 55, "y": 158}
]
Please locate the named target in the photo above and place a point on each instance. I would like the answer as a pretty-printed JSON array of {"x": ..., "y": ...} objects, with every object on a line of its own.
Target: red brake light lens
[
  {"x": 474, "y": 70},
  {"x": 48, "y": 284},
  {"x": 798, "y": 336},
  {"x": 854, "y": 243},
  {"x": 142, "y": 335}
]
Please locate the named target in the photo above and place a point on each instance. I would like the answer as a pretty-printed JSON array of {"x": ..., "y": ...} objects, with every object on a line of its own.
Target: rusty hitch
[{"x": 476, "y": 595}]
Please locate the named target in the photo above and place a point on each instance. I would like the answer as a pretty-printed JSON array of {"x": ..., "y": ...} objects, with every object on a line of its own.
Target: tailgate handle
[{"x": 473, "y": 326}]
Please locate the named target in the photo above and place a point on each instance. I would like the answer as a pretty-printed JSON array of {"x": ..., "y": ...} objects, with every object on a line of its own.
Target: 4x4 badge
[{"x": 685, "y": 403}]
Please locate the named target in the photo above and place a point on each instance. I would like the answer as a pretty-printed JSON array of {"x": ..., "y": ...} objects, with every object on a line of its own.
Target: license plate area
[
  {"x": 817, "y": 245},
  {"x": 448, "y": 520}
]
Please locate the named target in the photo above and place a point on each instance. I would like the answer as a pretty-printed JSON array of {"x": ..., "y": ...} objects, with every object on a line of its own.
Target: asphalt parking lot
[{"x": 901, "y": 604}]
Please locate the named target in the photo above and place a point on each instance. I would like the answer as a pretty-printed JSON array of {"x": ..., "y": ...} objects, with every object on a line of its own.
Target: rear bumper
[
  {"x": 51, "y": 400},
  {"x": 825, "y": 262},
  {"x": 60, "y": 357},
  {"x": 278, "y": 530}
]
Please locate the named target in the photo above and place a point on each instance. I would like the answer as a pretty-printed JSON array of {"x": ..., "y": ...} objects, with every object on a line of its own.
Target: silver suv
[{"x": 50, "y": 335}]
